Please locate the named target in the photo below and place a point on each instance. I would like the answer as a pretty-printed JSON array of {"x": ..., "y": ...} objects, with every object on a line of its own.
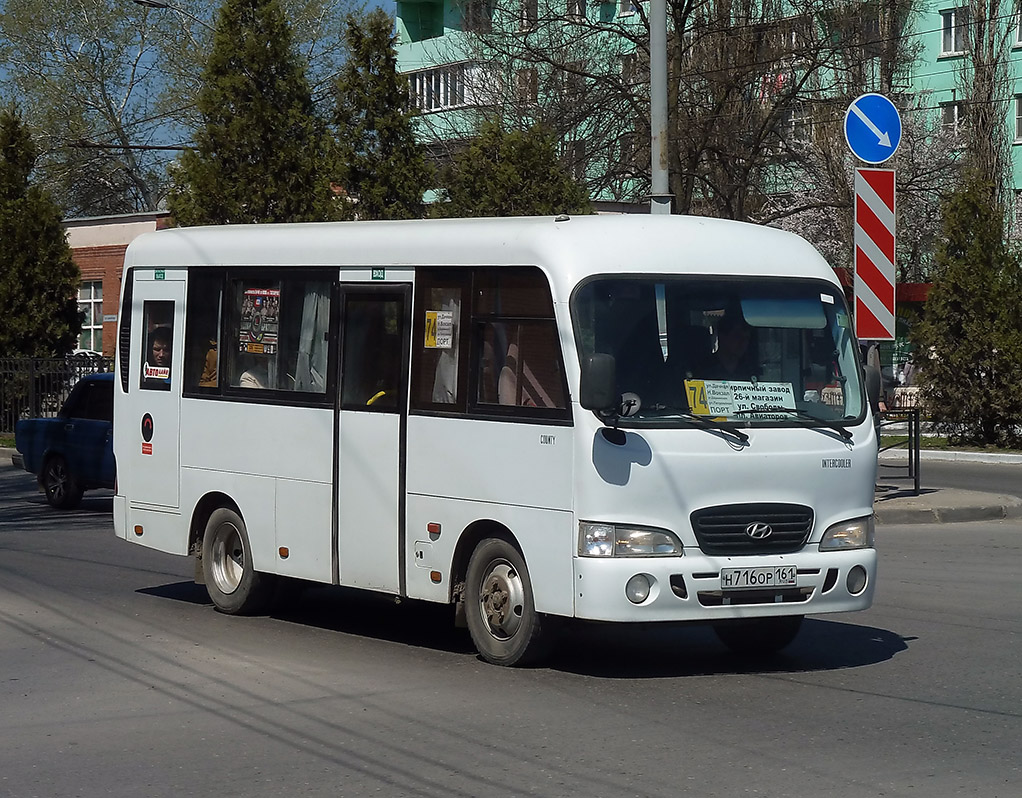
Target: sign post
[{"x": 873, "y": 133}]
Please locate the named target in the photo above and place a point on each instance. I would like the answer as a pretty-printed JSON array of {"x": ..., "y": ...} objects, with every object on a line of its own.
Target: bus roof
[{"x": 568, "y": 249}]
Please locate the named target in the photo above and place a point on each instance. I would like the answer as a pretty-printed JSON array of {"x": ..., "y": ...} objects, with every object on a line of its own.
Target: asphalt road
[
  {"x": 117, "y": 678},
  {"x": 1005, "y": 479}
]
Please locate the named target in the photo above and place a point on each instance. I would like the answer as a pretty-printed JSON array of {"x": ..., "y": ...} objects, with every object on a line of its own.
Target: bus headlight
[
  {"x": 616, "y": 540},
  {"x": 855, "y": 534}
]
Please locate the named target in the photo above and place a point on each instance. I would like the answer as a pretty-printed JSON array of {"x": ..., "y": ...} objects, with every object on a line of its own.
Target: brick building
[{"x": 98, "y": 245}]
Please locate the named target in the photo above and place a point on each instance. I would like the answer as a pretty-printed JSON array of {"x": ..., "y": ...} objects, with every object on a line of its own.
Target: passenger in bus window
[
  {"x": 160, "y": 341},
  {"x": 732, "y": 359},
  {"x": 208, "y": 378},
  {"x": 255, "y": 374}
]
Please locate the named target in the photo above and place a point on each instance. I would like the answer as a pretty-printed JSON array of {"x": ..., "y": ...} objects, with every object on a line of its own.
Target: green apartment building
[{"x": 467, "y": 58}]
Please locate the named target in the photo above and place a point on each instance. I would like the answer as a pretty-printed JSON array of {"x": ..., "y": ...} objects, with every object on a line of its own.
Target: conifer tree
[
  {"x": 38, "y": 278},
  {"x": 380, "y": 164},
  {"x": 969, "y": 344},
  {"x": 510, "y": 174},
  {"x": 261, "y": 154}
]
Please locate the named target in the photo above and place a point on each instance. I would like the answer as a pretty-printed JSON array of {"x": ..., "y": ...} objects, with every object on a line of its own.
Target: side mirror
[
  {"x": 599, "y": 379},
  {"x": 873, "y": 380}
]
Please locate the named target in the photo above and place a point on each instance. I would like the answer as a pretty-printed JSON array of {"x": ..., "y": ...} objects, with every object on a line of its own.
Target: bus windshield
[{"x": 756, "y": 350}]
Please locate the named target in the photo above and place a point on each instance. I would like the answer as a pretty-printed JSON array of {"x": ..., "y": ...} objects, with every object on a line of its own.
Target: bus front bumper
[{"x": 708, "y": 588}]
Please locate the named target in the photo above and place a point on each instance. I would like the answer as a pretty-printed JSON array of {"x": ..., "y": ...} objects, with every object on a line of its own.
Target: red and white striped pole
[{"x": 874, "y": 254}]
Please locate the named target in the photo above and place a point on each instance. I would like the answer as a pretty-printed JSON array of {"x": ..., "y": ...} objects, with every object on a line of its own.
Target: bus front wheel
[
  {"x": 234, "y": 585},
  {"x": 499, "y": 606}
]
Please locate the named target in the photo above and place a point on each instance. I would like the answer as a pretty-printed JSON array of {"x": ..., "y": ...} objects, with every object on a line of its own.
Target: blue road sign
[{"x": 872, "y": 128}]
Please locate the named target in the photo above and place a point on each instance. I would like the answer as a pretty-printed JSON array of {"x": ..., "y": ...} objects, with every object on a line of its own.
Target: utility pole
[{"x": 660, "y": 196}]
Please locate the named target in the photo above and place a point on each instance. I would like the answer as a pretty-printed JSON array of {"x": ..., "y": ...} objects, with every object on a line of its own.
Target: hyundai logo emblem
[{"x": 759, "y": 530}]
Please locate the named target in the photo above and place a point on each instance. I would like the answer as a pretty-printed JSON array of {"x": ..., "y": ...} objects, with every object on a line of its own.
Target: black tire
[
  {"x": 758, "y": 636},
  {"x": 499, "y": 606},
  {"x": 62, "y": 491},
  {"x": 233, "y": 584}
]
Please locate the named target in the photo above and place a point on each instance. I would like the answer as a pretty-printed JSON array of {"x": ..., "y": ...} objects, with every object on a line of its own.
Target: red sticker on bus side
[{"x": 147, "y": 448}]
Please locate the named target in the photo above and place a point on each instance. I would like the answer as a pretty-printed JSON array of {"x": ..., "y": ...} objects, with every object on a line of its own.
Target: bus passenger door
[
  {"x": 371, "y": 435},
  {"x": 152, "y": 474}
]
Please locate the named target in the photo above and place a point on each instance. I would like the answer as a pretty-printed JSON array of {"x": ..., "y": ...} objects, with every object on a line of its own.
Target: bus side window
[
  {"x": 253, "y": 334},
  {"x": 371, "y": 364},
  {"x": 519, "y": 361},
  {"x": 202, "y": 332},
  {"x": 439, "y": 375},
  {"x": 520, "y": 365},
  {"x": 157, "y": 346}
]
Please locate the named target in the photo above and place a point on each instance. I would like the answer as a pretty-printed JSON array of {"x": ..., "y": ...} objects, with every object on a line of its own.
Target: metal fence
[
  {"x": 901, "y": 423},
  {"x": 37, "y": 387}
]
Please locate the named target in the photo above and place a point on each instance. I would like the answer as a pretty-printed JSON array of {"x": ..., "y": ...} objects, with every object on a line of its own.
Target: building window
[
  {"x": 1016, "y": 227},
  {"x": 952, "y": 117},
  {"x": 953, "y": 30},
  {"x": 574, "y": 80},
  {"x": 575, "y": 155},
  {"x": 1017, "y": 42},
  {"x": 1018, "y": 117},
  {"x": 477, "y": 16},
  {"x": 796, "y": 125},
  {"x": 626, "y": 7},
  {"x": 576, "y": 9},
  {"x": 441, "y": 88},
  {"x": 90, "y": 308},
  {"x": 527, "y": 85},
  {"x": 529, "y": 16}
]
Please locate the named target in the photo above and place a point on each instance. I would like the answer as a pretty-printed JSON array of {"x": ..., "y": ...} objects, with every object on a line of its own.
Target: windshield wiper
[
  {"x": 800, "y": 415},
  {"x": 703, "y": 422}
]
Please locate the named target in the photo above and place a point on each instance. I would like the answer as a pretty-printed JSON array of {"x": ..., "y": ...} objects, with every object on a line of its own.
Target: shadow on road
[{"x": 607, "y": 651}]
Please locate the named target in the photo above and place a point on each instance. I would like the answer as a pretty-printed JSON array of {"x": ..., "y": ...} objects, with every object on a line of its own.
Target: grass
[
  {"x": 6, "y": 441},
  {"x": 939, "y": 443}
]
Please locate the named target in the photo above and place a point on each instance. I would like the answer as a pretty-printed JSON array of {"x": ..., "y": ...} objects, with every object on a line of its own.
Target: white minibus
[{"x": 612, "y": 418}]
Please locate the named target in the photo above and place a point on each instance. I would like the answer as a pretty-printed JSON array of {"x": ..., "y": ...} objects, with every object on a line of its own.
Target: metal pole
[{"x": 660, "y": 196}]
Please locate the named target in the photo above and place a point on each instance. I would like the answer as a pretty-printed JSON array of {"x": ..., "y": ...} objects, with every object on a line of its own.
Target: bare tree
[
  {"x": 108, "y": 88},
  {"x": 985, "y": 88},
  {"x": 874, "y": 55},
  {"x": 748, "y": 81}
]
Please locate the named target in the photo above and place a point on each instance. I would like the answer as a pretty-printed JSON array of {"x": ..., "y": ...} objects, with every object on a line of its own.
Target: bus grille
[{"x": 725, "y": 530}]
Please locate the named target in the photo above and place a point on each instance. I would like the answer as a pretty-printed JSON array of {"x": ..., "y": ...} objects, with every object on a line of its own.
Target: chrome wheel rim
[
  {"x": 228, "y": 558},
  {"x": 502, "y": 600},
  {"x": 56, "y": 480}
]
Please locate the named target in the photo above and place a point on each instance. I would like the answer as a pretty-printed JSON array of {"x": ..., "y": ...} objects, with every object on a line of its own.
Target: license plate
[{"x": 753, "y": 578}]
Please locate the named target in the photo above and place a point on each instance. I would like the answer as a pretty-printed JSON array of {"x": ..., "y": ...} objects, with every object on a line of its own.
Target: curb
[
  {"x": 948, "y": 515},
  {"x": 953, "y": 456}
]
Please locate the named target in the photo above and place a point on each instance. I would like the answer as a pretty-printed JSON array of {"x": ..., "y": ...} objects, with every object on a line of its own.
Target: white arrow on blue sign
[{"x": 872, "y": 128}]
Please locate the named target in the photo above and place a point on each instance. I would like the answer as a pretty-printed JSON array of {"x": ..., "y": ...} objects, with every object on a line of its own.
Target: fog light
[
  {"x": 637, "y": 589},
  {"x": 856, "y": 581}
]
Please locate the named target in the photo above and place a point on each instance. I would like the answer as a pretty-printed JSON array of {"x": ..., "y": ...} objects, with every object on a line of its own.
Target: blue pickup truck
[{"x": 72, "y": 452}]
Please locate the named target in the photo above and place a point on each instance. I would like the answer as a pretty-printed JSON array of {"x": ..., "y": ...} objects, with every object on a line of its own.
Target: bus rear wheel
[
  {"x": 234, "y": 585},
  {"x": 758, "y": 636},
  {"x": 500, "y": 608}
]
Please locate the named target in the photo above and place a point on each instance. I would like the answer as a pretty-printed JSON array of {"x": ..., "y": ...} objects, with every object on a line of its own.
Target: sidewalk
[{"x": 893, "y": 504}]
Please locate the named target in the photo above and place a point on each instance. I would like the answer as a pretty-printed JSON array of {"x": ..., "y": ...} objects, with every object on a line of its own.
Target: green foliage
[
  {"x": 380, "y": 164},
  {"x": 510, "y": 174},
  {"x": 261, "y": 154},
  {"x": 38, "y": 278},
  {"x": 969, "y": 342}
]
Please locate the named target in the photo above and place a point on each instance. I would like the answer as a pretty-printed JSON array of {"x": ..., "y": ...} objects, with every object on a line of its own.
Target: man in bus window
[
  {"x": 160, "y": 347},
  {"x": 733, "y": 359}
]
